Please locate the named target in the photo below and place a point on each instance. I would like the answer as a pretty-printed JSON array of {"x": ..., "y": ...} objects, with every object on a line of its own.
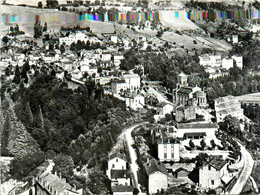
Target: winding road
[{"x": 246, "y": 171}]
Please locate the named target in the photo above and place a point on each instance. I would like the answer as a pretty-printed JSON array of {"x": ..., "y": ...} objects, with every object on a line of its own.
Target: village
[{"x": 183, "y": 146}]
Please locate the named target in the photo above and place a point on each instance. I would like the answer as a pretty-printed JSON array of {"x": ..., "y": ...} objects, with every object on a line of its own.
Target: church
[{"x": 186, "y": 95}]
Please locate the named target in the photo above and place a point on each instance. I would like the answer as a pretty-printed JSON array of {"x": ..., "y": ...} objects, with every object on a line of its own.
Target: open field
[{"x": 169, "y": 19}]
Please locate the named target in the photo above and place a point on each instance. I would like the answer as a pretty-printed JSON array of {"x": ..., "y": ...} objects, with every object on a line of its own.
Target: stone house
[
  {"x": 157, "y": 176},
  {"x": 212, "y": 171}
]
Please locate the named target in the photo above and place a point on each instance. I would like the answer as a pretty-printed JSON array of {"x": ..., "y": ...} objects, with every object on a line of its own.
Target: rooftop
[
  {"x": 217, "y": 162},
  {"x": 196, "y": 125},
  {"x": 119, "y": 174},
  {"x": 121, "y": 188},
  {"x": 117, "y": 155},
  {"x": 153, "y": 166}
]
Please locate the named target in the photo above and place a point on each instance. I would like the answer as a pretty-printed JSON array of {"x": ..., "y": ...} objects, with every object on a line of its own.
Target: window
[
  {"x": 116, "y": 159},
  {"x": 212, "y": 182},
  {"x": 113, "y": 166},
  {"x": 165, "y": 155},
  {"x": 209, "y": 167}
]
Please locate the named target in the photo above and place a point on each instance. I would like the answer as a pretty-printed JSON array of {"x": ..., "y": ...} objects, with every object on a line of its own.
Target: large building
[
  {"x": 186, "y": 95},
  {"x": 216, "y": 61},
  {"x": 168, "y": 150},
  {"x": 129, "y": 82},
  {"x": 116, "y": 162},
  {"x": 228, "y": 105}
]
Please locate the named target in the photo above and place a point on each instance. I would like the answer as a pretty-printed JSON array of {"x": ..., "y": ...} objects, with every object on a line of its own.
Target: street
[{"x": 246, "y": 172}]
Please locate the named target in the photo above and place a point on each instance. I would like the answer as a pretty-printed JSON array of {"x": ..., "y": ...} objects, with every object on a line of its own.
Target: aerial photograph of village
[{"x": 129, "y": 97}]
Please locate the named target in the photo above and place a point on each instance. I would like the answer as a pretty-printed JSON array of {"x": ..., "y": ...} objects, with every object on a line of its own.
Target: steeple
[{"x": 182, "y": 80}]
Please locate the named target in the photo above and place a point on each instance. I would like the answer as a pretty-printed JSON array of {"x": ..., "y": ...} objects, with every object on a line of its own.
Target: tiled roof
[
  {"x": 195, "y": 134},
  {"x": 131, "y": 76},
  {"x": 218, "y": 163},
  {"x": 119, "y": 174},
  {"x": 153, "y": 166},
  {"x": 117, "y": 155},
  {"x": 55, "y": 182},
  {"x": 185, "y": 90},
  {"x": 196, "y": 125},
  {"x": 121, "y": 188}
]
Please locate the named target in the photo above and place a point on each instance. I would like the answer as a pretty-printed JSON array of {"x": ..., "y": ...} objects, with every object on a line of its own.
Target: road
[
  {"x": 126, "y": 134},
  {"x": 246, "y": 171}
]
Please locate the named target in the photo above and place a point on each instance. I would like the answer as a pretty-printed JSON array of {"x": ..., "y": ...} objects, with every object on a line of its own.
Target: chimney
[{"x": 169, "y": 140}]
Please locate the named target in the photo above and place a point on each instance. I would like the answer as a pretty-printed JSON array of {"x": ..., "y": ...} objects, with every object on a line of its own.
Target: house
[
  {"x": 118, "y": 86},
  {"x": 227, "y": 63},
  {"x": 122, "y": 190},
  {"x": 114, "y": 38},
  {"x": 168, "y": 150},
  {"x": 228, "y": 105},
  {"x": 167, "y": 108},
  {"x": 120, "y": 177},
  {"x": 185, "y": 95},
  {"x": 134, "y": 101},
  {"x": 73, "y": 38},
  {"x": 239, "y": 61},
  {"x": 182, "y": 173},
  {"x": 48, "y": 183},
  {"x": 185, "y": 113},
  {"x": 116, "y": 162},
  {"x": 133, "y": 81},
  {"x": 157, "y": 176},
  {"x": 196, "y": 130},
  {"x": 117, "y": 59},
  {"x": 212, "y": 171},
  {"x": 106, "y": 56}
]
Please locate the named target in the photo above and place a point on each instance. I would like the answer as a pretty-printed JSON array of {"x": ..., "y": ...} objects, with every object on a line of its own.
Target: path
[{"x": 246, "y": 171}]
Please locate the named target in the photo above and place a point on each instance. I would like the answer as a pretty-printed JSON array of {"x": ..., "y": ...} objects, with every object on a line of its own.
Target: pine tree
[
  {"x": 29, "y": 114},
  {"x": 39, "y": 119},
  {"x": 17, "y": 76},
  {"x": 5, "y": 136}
]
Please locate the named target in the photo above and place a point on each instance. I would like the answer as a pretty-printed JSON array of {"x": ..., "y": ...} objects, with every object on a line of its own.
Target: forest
[{"x": 74, "y": 128}]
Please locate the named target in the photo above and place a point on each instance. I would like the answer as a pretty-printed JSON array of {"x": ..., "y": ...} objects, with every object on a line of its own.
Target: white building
[
  {"x": 116, "y": 162},
  {"x": 134, "y": 101},
  {"x": 118, "y": 86},
  {"x": 73, "y": 38},
  {"x": 227, "y": 63},
  {"x": 117, "y": 59},
  {"x": 133, "y": 81},
  {"x": 114, "y": 38},
  {"x": 228, "y": 105},
  {"x": 168, "y": 150}
]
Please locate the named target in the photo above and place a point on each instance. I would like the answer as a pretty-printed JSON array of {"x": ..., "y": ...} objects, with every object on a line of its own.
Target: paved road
[
  {"x": 126, "y": 134},
  {"x": 246, "y": 171}
]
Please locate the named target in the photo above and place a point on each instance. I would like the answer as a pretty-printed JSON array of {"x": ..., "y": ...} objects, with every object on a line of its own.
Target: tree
[
  {"x": 213, "y": 144},
  {"x": 64, "y": 165},
  {"x": 28, "y": 114},
  {"x": 17, "y": 75},
  {"x": 37, "y": 29},
  {"x": 62, "y": 49},
  {"x": 52, "y": 3},
  {"x": 202, "y": 144},
  {"x": 5, "y": 39},
  {"x": 191, "y": 144},
  {"x": 40, "y": 4},
  {"x": 45, "y": 27},
  {"x": 16, "y": 29},
  {"x": 39, "y": 119}
]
